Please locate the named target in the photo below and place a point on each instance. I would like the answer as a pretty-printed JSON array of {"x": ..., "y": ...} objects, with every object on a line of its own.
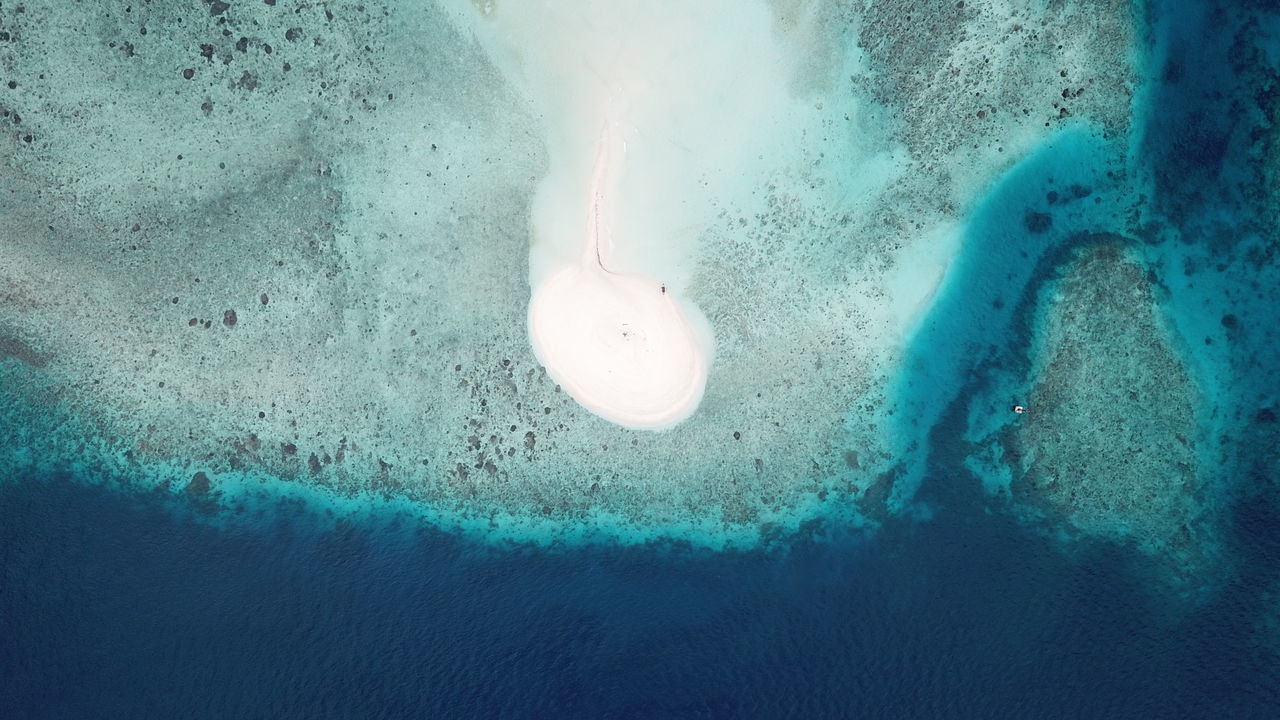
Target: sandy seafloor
[{"x": 273, "y": 441}]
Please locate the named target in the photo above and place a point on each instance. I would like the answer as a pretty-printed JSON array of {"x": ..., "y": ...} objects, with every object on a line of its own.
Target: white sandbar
[{"x": 619, "y": 344}]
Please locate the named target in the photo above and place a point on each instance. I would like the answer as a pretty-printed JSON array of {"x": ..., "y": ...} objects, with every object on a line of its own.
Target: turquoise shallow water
[
  {"x": 1051, "y": 201},
  {"x": 167, "y": 551}
]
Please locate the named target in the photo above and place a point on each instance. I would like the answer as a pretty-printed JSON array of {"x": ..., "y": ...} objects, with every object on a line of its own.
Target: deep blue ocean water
[
  {"x": 114, "y": 606},
  {"x": 120, "y": 605}
]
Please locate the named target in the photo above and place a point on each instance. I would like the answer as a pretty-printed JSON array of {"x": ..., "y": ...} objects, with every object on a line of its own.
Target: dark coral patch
[
  {"x": 1037, "y": 222},
  {"x": 199, "y": 484}
]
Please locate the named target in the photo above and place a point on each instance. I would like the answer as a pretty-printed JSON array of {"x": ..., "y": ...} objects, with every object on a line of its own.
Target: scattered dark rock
[
  {"x": 248, "y": 81},
  {"x": 263, "y": 298},
  {"x": 242, "y": 44},
  {"x": 851, "y": 459},
  {"x": 1037, "y": 222},
  {"x": 206, "y": 107},
  {"x": 206, "y": 52},
  {"x": 292, "y": 34},
  {"x": 313, "y": 463},
  {"x": 218, "y": 7},
  {"x": 288, "y": 449},
  {"x": 1230, "y": 321},
  {"x": 229, "y": 318},
  {"x": 1265, "y": 415},
  {"x": 188, "y": 73},
  {"x": 737, "y": 435}
]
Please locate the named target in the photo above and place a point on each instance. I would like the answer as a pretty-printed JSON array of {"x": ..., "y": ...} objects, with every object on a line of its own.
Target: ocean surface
[
  {"x": 117, "y": 606},
  {"x": 120, "y": 599}
]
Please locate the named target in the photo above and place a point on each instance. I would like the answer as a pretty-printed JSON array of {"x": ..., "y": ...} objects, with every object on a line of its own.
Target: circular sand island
[{"x": 620, "y": 344}]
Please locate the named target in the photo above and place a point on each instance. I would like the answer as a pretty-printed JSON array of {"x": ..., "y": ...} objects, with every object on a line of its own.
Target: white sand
[
  {"x": 617, "y": 215},
  {"x": 620, "y": 344}
]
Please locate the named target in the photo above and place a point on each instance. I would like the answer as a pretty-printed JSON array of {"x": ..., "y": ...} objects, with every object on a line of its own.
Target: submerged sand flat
[{"x": 313, "y": 263}]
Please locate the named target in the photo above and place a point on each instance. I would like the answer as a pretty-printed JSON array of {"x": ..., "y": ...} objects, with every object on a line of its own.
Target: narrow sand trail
[{"x": 621, "y": 345}]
